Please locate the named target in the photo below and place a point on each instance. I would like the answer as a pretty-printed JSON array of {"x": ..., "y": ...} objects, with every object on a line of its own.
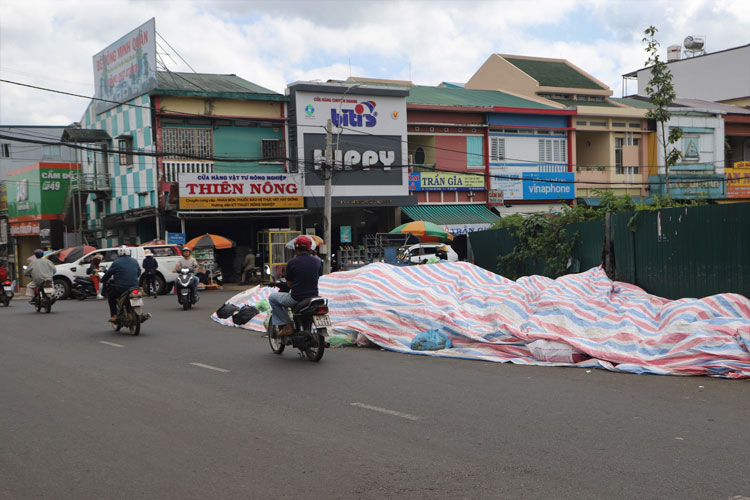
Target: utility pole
[{"x": 328, "y": 173}]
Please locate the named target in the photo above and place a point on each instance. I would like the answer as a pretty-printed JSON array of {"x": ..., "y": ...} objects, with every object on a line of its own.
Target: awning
[{"x": 444, "y": 215}]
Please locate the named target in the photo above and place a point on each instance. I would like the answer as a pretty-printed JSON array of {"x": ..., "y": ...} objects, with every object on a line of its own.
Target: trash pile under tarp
[{"x": 577, "y": 320}]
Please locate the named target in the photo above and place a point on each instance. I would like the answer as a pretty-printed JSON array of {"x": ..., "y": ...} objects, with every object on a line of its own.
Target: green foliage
[{"x": 661, "y": 93}]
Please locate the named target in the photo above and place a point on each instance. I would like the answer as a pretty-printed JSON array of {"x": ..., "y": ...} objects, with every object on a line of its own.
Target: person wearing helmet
[
  {"x": 149, "y": 268},
  {"x": 189, "y": 261},
  {"x": 40, "y": 270},
  {"x": 302, "y": 273},
  {"x": 124, "y": 272}
]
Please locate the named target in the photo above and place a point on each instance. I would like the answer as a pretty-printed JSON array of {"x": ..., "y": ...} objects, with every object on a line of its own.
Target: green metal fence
[{"x": 673, "y": 253}]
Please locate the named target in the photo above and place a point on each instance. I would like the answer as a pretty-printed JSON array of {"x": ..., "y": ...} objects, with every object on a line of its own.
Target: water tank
[
  {"x": 673, "y": 53},
  {"x": 693, "y": 43}
]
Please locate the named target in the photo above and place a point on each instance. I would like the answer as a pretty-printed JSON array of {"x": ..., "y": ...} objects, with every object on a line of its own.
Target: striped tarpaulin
[{"x": 491, "y": 318}]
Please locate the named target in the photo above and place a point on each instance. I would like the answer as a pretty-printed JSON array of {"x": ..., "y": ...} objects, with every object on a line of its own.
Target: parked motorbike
[
  {"x": 6, "y": 292},
  {"x": 129, "y": 311},
  {"x": 44, "y": 297},
  {"x": 182, "y": 288},
  {"x": 311, "y": 327},
  {"x": 83, "y": 287}
]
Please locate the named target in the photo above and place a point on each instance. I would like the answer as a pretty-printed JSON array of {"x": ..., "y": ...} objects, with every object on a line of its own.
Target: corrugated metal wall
[{"x": 673, "y": 253}]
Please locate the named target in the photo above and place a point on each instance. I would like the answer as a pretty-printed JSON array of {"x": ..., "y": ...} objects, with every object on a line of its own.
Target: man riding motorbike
[
  {"x": 188, "y": 261},
  {"x": 93, "y": 273},
  {"x": 302, "y": 273},
  {"x": 124, "y": 272},
  {"x": 149, "y": 267},
  {"x": 40, "y": 270}
]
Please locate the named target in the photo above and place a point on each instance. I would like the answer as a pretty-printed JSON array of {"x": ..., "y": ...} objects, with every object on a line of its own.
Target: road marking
[
  {"x": 111, "y": 343},
  {"x": 209, "y": 367},
  {"x": 386, "y": 411}
]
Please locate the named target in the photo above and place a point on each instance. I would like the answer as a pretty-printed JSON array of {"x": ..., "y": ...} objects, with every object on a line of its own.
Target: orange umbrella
[{"x": 209, "y": 241}]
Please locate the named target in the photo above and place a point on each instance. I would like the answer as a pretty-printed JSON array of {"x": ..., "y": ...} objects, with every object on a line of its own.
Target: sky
[{"x": 51, "y": 44}]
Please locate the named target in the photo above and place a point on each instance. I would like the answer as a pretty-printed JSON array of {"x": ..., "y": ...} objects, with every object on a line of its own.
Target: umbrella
[
  {"x": 74, "y": 253},
  {"x": 317, "y": 241},
  {"x": 425, "y": 231},
  {"x": 210, "y": 241}
]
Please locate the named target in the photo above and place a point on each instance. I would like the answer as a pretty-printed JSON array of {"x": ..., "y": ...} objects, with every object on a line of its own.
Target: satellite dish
[{"x": 693, "y": 43}]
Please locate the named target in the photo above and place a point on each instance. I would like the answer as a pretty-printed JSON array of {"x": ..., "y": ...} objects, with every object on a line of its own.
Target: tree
[{"x": 661, "y": 94}]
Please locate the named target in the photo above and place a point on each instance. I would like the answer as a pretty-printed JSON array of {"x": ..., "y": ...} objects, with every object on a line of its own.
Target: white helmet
[{"x": 123, "y": 250}]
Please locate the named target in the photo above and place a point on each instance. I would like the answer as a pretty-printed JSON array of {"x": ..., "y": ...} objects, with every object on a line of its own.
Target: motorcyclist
[
  {"x": 302, "y": 273},
  {"x": 3, "y": 271},
  {"x": 149, "y": 268},
  {"x": 189, "y": 261},
  {"x": 124, "y": 272},
  {"x": 93, "y": 273},
  {"x": 40, "y": 270}
]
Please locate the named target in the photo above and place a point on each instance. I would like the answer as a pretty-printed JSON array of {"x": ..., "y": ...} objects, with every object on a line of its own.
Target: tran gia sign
[{"x": 236, "y": 191}]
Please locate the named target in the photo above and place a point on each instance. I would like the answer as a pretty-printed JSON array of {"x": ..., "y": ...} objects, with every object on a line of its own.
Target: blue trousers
[{"x": 280, "y": 304}]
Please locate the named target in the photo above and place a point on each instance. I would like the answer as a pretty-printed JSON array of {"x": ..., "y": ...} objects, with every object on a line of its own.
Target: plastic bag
[
  {"x": 363, "y": 341},
  {"x": 263, "y": 305},
  {"x": 431, "y": 340},
  {"x": 245, "y": 314},
  {"x": 340, "y": 340},
  {"x": 555, "y": 352},
  {"x": 226, "y": 310}
]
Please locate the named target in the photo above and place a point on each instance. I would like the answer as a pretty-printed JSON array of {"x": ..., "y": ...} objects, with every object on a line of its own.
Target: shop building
[{"x": 370, "y": 156}]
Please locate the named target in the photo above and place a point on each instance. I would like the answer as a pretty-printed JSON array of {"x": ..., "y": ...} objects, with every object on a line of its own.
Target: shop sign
[
  {"x": 39, "y": 189},
  {"x": 176, "y": 238},
  {"x": 495, "y": 197},
  {"x": 24, "y": 229},
  {"x": 459, "y": 229},
  {"x": 439, "y": 181},
  {"x": 216, "y": 191},
  {"x": 3, "y": 232},
  {"x": 738, "y": 180},
  {"x": 3, "y": 198},
  {"x": 352, "y": 114},
  {"x": 527, "y": 183},
  {"x": 346, "y": 234},
  {"x": 127, "y": 68}
]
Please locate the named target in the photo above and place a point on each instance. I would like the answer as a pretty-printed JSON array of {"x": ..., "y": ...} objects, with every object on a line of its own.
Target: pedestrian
[
  {"x": 149, "y": 268},
  {"x": 248, "y": 267}
]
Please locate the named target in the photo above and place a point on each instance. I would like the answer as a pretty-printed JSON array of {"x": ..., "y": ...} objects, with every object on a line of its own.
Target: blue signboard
[
  {"x": 176, "y": 238},
  {"x": 562, "y": 188},
  {"x": 346, "y": 234}
]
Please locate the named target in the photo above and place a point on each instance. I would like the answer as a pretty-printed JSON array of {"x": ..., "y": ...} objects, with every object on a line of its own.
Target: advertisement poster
[
  {"x": 126, "y": 68},
  {"x": 518, "y": 184},
  {"x": 217, "y": 191},
  {"x": 738, "y": 180}
]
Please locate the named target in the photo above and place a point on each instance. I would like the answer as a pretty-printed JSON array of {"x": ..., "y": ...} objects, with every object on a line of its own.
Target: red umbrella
[{"x": 74, "y": 253}]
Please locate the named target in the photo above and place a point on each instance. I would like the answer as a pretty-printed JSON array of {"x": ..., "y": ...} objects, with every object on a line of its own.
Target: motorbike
[
  {"x": 6, "y": 292},
  {"x": 182, "y": 288},
  {"x": 83, "y": 287},
  {"x": 311, "y": 327},
  {"x": 129, "y": 311},
  {"x": 44, "y": 297}
]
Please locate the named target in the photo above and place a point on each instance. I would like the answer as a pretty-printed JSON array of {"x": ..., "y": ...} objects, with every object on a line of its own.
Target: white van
[
  {"x": 166, "y": 256},
  {"x": 421, "y": 252}
]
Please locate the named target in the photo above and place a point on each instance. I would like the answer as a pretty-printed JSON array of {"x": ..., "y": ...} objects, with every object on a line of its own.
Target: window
[
  {"x": 51, "y": 153},
  {"x": 196, "y": 143},
  {"x": 578, "y": 122},
  {"x": 553, "y": 150},
  {"x": 474, "y": 153},
  {"x": 419, "y": 156},
  {"x": 164, "y": 251},
  {"x": 634, "y": 125},
  {"x": 271, "y": 150},
  {"x": 125, "y": 146},
  {"x": 497, "y": 149},
  {"x": 5, "y": 150},
  {"x": 618, "y": 124},
  {"x": 598, "y": 124},
  {"x": 619, "y": 141}
]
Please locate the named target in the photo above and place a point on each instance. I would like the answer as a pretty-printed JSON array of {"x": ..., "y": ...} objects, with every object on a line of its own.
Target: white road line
[
  {"x": 209, "y": 367},
  {"x": 386, "y": 411},
  {"x": 111, "y": 343}
]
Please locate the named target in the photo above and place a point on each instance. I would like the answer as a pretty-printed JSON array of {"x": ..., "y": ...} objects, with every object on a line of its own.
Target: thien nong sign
[
  {"x": 127, "y": 68},
  {"x": 218, "y": 191}
]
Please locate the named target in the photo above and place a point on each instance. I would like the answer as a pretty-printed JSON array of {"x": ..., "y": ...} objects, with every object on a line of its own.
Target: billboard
[
  {"x": 443, "y": 181},
  {"x": 526, "y": 183},
  {"x": 215, "y": 191},
  {"x": 127, "y": 68},
  {"x": 39, "y": 189},
  {"x": 738, "y": 180}
]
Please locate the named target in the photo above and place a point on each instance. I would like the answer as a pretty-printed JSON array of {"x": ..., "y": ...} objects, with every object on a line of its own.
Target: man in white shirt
[{"x": 187, "y": 260}]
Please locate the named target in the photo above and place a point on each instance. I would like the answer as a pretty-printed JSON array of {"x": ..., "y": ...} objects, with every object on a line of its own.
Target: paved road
[{"x": 194, "y": 410}]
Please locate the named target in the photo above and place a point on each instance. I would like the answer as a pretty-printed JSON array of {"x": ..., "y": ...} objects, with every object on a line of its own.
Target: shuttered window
[
  {"x": 474, "y": 153},
  {"x": 497, "y": 149}
]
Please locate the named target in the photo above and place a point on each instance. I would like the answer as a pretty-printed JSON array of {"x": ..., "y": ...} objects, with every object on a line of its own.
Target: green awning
[{"x": 451, "y": 214}]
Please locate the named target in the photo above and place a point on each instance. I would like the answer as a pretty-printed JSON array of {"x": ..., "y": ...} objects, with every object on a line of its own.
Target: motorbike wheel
[
  {"x": 186, "y": 304},
  {"x": 116, "y": 326},
  {"x": 135, "y": 324},
  {"x": 38, "y": 304},
  {"x": 315, "y": 352},
  {"x": 79, "y": 295},
  {"x": 6, "y": 301},
  {"x": 273, "y": 338},
  {"x": 48, "y": 306}
]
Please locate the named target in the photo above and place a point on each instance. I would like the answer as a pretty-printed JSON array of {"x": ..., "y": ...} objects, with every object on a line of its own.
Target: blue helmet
[{"x": 39, "y": 253}]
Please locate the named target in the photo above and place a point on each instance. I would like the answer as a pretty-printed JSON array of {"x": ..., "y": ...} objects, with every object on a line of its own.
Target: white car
[
  {"x": 166, "y": 256},
  {"x": 421, "y": 252}
]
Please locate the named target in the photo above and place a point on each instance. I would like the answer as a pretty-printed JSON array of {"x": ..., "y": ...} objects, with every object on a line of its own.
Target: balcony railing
[
  {"x": 173, "y": 168},
  {"x": 91, "y": 183}
]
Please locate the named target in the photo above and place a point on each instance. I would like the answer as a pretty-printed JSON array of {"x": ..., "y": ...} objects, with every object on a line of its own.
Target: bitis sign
[{"x": 362, "y": 114}]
